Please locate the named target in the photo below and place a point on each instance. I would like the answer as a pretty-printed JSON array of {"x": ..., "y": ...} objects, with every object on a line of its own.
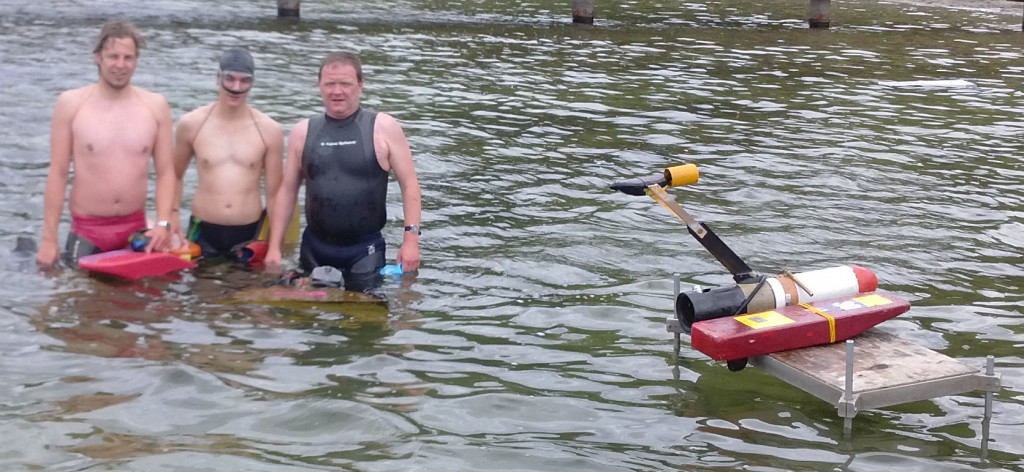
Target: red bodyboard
[
  {"x": 128, "y": 264},
  {"x": 794, "y": 326}
]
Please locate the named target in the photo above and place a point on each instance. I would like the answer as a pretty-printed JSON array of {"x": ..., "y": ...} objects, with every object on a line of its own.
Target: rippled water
[{"x": 533, "y": 338}]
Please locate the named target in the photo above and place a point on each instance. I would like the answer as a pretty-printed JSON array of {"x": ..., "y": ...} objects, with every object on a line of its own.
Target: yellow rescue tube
[{"x": 291, "y": 235}]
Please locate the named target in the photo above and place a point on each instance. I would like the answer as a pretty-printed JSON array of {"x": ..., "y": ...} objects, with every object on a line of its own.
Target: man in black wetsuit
[{"x": 345, "y": 156}]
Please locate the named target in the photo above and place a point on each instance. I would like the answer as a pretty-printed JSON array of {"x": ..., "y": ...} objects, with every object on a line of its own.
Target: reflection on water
[{"x": 533, "y": 338}]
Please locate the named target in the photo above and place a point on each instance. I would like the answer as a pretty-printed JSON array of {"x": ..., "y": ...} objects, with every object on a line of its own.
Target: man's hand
[
  {"x": 272, "y": 261},
  {"x": 177, "y": 234},
  {"x": 48, "y": 254},
  {"x": 159, "y": 239},
  {"x": 409, "y": 256}
]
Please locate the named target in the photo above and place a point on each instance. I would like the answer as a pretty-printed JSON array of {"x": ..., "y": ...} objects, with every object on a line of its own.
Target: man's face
[
  {"x": 236, "y": 84},
  {"x": 340, "y": 89},
  {"x": 117, "y": 61}
]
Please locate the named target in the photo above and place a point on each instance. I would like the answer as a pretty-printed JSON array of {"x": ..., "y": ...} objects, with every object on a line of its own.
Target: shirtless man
[
  {"x": 345, "y": 156},
  {"x": 234, "y": 146},
  {"x": 109, "y": 130}
]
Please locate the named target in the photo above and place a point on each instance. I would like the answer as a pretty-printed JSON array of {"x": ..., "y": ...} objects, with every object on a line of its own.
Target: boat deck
[{"x": 873, "y": 370}]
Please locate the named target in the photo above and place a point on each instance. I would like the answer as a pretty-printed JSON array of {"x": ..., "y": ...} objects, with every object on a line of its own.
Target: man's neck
[
  {"x": 229, "y": 110},
  {"x": 333, "y": 117},
  {"x": 112, "y": 93}
]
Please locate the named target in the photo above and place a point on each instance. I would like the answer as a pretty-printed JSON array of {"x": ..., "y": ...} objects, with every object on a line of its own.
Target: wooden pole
[
  {"x": 288, "y": 8},
  {"x": 820, "y": 15},
  {"x": 583, "y": 11}
]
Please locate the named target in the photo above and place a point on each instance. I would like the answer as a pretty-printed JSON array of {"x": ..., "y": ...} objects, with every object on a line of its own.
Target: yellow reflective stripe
[{"x": 831, "y": 321}]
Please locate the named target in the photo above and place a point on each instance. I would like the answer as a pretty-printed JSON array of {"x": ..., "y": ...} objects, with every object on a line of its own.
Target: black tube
[{"x": 708, "y": 304}]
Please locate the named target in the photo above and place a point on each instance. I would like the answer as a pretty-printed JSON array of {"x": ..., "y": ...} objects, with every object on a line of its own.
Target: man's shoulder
[
  {"x": 151, "y": 98},
  {"x": 188, "y": 122},
  {"x": 297, "y": 135},
  {"x": 76, "y": 95},
  {"x": 83, "y": 90},
  {"x": 386, "y": 122},
  {"x": 145, "y": 91},
  {"x": 264, "y": 119},
  {"x": 195, "y": 114},
  {"x": 303, "y": 124}
]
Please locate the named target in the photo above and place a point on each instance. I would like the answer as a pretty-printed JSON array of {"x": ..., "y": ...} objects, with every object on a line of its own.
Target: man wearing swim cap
[
  {"x": 345, "y": 156},
  {"x": 109, "y": 132},
  {"x": 234, "y": 146}
]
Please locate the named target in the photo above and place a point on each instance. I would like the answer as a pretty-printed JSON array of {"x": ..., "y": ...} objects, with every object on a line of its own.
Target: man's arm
[
  {"x": 56, "y": 178},
  {"x": 184, "y": 137},
  {"x": 287, "y": 194},
  {"x": 400, "y": 158},
  {"x": 166, "y": 178},
  {"x": 273, "y": 161}
]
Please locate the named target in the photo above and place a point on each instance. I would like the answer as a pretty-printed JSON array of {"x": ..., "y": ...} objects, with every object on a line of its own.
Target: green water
[{"x": 534, "y": 336}]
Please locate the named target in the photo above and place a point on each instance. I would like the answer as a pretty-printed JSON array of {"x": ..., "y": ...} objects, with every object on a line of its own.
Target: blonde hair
[{"x": 119, "y": 29}]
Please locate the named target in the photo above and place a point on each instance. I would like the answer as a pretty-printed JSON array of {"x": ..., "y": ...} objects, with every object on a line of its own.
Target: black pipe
[{"x": 708, "y": 304}]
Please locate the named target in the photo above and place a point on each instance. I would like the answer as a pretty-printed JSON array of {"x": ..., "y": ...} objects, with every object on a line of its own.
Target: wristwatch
[
  {"x": 163, "y": 224},
  {"x": 414, "y": 229}
]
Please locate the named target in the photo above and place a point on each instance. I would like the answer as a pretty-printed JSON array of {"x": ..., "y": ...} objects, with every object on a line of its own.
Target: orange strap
[{"x": 831, "y": 321}]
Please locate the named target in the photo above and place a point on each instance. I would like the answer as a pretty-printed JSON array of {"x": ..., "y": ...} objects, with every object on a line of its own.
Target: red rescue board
[
  {"x": 128, "y": 264},
  {"x": 794, "y": 326}
]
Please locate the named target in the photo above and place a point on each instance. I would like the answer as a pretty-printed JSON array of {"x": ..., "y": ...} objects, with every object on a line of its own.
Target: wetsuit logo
[{"x": 337, "y": 143}]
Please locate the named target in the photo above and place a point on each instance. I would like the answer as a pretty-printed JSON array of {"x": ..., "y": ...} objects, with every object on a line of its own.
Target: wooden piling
[
  {"x": 820, "y": 14},
  {"x": 583, "y": 11},
  {"x": 288, "y": 8}
]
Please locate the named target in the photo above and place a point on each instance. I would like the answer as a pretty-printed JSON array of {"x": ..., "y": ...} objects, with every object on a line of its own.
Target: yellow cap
[{"x": 681, "y": 175}]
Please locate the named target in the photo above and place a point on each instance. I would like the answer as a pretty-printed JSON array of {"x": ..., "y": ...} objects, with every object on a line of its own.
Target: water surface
[{"x": 533, "y": 338}]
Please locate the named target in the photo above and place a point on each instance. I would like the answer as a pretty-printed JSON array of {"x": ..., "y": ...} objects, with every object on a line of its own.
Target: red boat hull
[{"x": 794, "y": 326}]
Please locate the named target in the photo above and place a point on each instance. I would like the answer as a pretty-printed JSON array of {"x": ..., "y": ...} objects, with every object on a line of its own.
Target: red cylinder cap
[{"x": 867, "y": 281}]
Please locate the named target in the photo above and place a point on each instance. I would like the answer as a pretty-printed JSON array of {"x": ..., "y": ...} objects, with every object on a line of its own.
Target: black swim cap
[{"x": 237, "y": 60}]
